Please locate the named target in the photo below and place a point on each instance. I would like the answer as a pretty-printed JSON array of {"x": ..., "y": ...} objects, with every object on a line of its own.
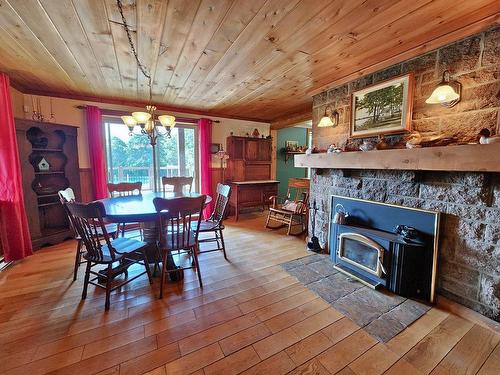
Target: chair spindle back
[
  {"x": 177, "y": 183},
  {"x": 223, "y": 195},
  {"x": 121, "y": 189},
  {"x": 176, "y": 218},
  {"x": 88, "y": 222}
]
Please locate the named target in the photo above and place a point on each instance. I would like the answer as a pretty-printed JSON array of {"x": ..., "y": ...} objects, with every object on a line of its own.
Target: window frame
[{"x": 181, "y": 147}]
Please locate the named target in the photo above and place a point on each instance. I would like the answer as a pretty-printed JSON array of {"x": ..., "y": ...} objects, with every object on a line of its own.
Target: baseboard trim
[{"x": 466, "y": 313}]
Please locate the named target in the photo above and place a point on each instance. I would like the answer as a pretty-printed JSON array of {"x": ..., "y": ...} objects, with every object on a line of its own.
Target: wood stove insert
[{"x": 387, "y": 246}]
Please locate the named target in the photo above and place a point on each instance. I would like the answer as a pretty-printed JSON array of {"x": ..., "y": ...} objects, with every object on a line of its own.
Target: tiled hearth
[{"x": 381, "y": 313}]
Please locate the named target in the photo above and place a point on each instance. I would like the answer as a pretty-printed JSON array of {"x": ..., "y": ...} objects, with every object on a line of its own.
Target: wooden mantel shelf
[{"x": 466, "y": 158}]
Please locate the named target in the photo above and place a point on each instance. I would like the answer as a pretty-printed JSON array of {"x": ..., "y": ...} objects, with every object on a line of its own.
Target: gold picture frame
[{"x": 383, "y": 108}]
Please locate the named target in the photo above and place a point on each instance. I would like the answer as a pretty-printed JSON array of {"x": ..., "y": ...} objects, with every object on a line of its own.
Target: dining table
[{"x": 139, "y": 208}]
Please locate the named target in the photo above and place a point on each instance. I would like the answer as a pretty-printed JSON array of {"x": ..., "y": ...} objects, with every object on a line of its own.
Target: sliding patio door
[{"x": 130, "y": 158}]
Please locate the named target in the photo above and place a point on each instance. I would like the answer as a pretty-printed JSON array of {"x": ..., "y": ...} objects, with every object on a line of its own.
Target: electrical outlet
[{"x": 26, "y": 109}]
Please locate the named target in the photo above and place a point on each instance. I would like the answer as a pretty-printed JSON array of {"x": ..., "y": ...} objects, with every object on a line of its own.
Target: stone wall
[
  {"x": 474, "y": 62},
  {"x": 469, "y": 255}
]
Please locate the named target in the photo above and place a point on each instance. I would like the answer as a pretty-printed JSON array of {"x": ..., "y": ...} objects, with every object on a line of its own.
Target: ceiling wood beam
[
  {"x": 137, "y": 104},
  {"x": 291, "y": 120}
]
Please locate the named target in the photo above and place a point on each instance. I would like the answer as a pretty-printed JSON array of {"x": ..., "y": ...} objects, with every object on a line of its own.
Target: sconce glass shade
[
  {"x": 129, "y": 121},
  {"x": 442, "y": 94},
  {"x": 141, "y": 117},
  {"x": 331, "y": 118},
  {"x": 325, "y": 122},
  {"x": 167, "y": 120},
  {"x": 447, "y": 93}
]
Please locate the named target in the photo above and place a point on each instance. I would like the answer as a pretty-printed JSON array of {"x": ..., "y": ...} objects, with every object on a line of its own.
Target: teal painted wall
[{"x": 284, "y": 171}]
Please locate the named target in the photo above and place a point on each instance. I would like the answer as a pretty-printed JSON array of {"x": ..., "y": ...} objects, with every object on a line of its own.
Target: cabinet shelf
[
  {"x": 48, "y": 204},
  {"x": 47, "y": 195},
  {"x": 49, "y": 172},
  {"x": 47, "y": 149}
]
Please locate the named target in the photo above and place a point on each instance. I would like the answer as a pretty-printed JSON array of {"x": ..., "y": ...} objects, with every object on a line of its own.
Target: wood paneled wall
[{"x": 86, "y": 185}]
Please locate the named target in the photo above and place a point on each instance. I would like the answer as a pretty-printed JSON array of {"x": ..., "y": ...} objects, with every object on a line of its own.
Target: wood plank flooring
[{"x": 251, "y": 317}]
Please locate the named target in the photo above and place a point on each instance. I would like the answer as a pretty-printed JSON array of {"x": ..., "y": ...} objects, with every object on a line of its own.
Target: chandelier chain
[{"x": 142, "y": 68}]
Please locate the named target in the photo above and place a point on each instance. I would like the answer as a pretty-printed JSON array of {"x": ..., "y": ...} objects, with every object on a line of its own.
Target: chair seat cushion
[
  {"x": 179, "y": 242},
  {"x": 290, "y": 206},
  {"x": 281, "y": 211},
  {"x": 111, "y": 228},
  {"x": 209, "y": 226},
  {"x": 122, "y": 245}
]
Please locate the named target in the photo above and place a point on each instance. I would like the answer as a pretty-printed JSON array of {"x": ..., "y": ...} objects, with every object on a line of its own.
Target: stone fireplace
[{"x": 469, "y": 202}]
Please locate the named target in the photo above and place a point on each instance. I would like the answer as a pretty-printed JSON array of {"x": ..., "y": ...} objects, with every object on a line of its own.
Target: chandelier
[{"x": 149, "y": 123}]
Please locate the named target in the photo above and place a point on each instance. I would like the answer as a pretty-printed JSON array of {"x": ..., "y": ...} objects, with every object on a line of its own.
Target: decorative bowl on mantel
[{"x": 367, "y": 146}]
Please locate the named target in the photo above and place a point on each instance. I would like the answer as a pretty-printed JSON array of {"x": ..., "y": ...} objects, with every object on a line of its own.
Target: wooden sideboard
[
  {"x": 249, "y": 172},
  {"x": 251, "y": 194}
]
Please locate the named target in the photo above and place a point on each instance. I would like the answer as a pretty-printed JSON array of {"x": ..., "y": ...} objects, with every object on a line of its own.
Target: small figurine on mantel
[
  {"x": 382, "y": 143},
  {"x": 428, "y": 139},
  {"x": 333, "y": 149},
  {"x": 486, "y": 138},
  {"x": 367, "y": 145}
]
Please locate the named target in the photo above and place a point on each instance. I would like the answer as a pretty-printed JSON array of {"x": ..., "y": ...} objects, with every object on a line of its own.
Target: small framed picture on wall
[
  {"x": 383, "y": 108},
  {"x": 215, "y": 148}
]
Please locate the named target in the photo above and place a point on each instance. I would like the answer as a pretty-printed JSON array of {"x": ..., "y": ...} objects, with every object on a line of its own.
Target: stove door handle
[{"x": 381, "y": 266}]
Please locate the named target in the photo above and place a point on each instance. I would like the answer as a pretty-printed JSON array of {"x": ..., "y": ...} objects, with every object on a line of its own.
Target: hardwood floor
[{"x": 251, "y": 317}]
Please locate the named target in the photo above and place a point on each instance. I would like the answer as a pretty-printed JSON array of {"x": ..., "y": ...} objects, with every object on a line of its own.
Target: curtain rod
[{"x": 114, "y": 112}]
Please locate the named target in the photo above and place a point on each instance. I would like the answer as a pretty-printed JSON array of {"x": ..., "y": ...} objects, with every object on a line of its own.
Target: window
[{"x": 130, "y": 158}]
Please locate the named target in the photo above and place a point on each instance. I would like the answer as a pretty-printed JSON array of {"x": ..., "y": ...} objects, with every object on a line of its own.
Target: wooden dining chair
[
  {"x": 68, "y": 195},
  {"x": 179, "y": 223},
  {"x": 101, "y": 249},
  {"x": 214, "y": 224},
  {"x": 178, "y": 184},
  {"x": 122, "y": 189}
]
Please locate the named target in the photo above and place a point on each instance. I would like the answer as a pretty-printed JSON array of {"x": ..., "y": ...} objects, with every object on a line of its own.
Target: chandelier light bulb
[{"x": 141, "y": 117}]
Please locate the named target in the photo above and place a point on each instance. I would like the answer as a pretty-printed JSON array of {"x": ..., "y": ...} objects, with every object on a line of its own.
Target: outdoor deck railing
[{"x": 143, "y": 174}]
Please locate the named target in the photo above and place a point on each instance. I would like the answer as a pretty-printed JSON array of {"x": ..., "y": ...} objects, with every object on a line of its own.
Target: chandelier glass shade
[
  {"x": 141, "y": 117},
  {"x": 129, "y": 121},
  {"x": 167, "y": 121}
]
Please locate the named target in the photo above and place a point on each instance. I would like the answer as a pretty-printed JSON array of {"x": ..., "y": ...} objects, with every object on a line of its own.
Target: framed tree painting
[{"x": 383, "y": 108}]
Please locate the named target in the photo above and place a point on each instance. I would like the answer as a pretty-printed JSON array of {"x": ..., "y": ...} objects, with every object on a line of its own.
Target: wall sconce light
[
  {"x": 331, "y": 118},
  {"x": 447, "y": 93}
]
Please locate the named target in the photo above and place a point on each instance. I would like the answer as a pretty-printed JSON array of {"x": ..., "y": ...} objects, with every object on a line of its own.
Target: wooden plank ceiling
[{"x": 254, "y": 59}]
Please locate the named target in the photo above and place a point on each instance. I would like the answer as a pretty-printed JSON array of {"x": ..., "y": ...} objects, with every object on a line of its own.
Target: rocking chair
[{"x": 291, "y": 210}]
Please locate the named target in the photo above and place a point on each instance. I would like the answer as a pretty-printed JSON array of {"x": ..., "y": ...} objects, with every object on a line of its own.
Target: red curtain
[
  {"x": 97, "y": 152},
  {"x": 14, "y": 231},
  {"x": 205, "y": 126}
]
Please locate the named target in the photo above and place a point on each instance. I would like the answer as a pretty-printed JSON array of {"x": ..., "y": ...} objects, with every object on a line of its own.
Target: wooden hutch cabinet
[
  {"x": 249, "y": 172},
  {"x": 48, "y": 156}
]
